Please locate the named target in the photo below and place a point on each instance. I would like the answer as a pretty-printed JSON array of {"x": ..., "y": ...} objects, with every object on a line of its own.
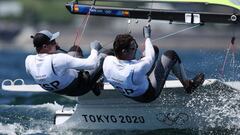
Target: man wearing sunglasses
[
  {"x": 143, "y": 80},
  {"x": 65, "y": 74}
]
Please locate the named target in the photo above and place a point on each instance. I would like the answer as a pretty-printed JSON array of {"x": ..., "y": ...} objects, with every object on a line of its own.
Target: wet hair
[
  {"x": 121, "y": 42},
  {"x": 40, "y": 39}
]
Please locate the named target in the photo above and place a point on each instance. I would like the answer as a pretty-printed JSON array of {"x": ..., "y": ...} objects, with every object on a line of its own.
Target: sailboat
[{"x": 174, "y": 108}]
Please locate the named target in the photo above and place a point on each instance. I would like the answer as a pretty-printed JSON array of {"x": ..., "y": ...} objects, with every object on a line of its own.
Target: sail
[
  {"x": 228, "y": 10},
  {"x": 230, "y": 3}
]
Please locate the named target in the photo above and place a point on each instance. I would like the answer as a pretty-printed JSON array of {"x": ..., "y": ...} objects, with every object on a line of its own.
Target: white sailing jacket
[
  {"x": 54, "y": 72},
  {"x": 129, "y": 76}
]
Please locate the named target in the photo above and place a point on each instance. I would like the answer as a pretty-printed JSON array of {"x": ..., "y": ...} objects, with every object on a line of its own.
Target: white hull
[{"x": 213, "y": 105}]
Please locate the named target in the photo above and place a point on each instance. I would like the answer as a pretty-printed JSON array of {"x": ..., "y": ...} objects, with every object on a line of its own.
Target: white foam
[
  {"x": 11, "y": 129},
  {"x": 51, "y": 106}
]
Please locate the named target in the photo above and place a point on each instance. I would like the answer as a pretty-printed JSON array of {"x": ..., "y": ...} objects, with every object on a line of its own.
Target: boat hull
[{"x": 206, "y": 108}]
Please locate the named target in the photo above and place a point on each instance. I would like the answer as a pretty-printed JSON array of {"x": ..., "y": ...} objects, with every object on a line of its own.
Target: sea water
[{"x": 34, "y": 114}]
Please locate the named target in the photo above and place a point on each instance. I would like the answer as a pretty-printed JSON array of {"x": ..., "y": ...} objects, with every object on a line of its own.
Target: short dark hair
[
  {"x": 122, "y": 41},
  {"x": 40, "y": 39}
]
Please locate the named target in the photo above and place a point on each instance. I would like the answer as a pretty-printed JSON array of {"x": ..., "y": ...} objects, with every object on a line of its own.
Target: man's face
[{"x": 52, "y": 46}]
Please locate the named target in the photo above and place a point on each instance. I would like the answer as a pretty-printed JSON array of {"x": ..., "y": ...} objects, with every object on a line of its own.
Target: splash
[
  {"x": 27, "y": 119},
  {"x": 218, "y": 108}
]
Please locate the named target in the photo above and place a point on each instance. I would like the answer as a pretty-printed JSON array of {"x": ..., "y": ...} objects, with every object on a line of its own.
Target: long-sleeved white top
[
  {"x": 55, "y": 72},
  {"x": 130, "y": 76}
]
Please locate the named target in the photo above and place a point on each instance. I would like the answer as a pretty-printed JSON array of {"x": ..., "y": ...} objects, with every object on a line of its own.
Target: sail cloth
[{"x": 230, "y": 3}]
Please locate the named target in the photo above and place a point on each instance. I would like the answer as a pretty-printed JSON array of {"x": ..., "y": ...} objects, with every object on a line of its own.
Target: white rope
[{"x": 172, "y": 34}]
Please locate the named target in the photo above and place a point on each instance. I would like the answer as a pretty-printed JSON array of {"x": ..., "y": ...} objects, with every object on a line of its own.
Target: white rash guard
[
  {"x": 54, "y": 72},
  {"x": 129, "y": 76}
]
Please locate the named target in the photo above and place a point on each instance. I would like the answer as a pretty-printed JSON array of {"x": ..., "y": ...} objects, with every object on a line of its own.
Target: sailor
[
  {"x": 143, "y": 80},
  {"x": 62, "y": 73}
]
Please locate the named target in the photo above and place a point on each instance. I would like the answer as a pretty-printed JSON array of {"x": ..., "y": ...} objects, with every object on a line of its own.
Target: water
[{"x": 34, "y": 114}]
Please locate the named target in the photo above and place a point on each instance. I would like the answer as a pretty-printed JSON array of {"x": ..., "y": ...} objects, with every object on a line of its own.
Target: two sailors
[{"x": 141, "y": 80}]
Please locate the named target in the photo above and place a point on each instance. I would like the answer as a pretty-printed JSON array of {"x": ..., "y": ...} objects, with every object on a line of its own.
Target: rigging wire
[
  {"x": 83, "y": 26},
  {"x": 150, "y": 13},
  {"x": 166, "y": 36},
  {"x": 231, "y": 47},
  {"x": 177, "y": 32},
  {"x": 78, "y": 31},
  {"x": 76, "y": 45}
]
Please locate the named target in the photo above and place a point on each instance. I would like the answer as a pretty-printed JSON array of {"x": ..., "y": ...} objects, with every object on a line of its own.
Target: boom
[{"x": 160, "y": 14}]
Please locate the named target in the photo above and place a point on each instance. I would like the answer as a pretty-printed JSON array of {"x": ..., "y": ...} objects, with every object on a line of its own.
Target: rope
[
  {"x": 231, "y": 47},
  {"x": 166, "y": 36},
  {"x": 150, "y": 14},
  {"x": 78, "y": 30},
  {"x": 83, "y": 24},
  {"x": 172, "y": 34}
]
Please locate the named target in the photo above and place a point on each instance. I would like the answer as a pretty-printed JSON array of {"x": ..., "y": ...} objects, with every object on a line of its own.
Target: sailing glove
[
  {"x": 147, "y": 31},
  {"x": 96, "y": 45}
]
